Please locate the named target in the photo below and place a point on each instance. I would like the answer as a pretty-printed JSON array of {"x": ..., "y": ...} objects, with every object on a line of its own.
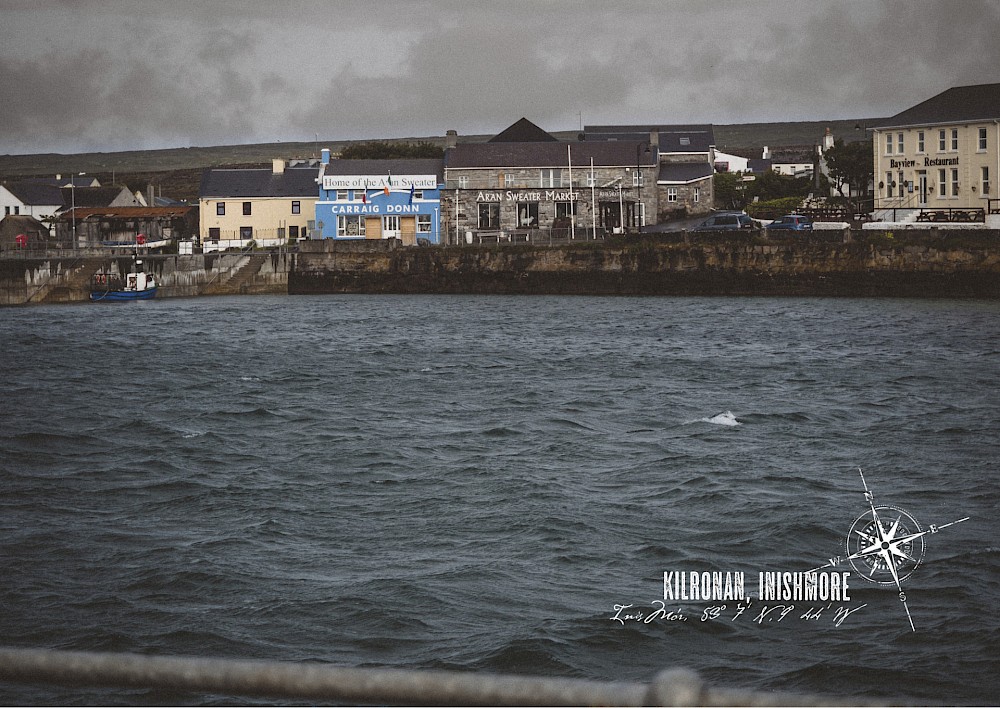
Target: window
[
  {"x": 489, "y": 216},
  {"x": 565, "y": 209},
  {"x": 982, "y": 139},
  {"x": 900, "y": 143},
  {"x": 390, "y": 226},
  {"x": 942, "y": 183},
  {"x": 637, "y": 178},
  {"x": 220, "y": 209},
  {"x": 246, "y": 208},
  {"x": 246, "y": 233},
  {"x": 508, "y": 180},
  {"x": 213, "y": 234},
  {"x": 591, "y": 179},
  {"x": 954, "y": 139},
  {"x": 348, "y": 226},
  {"x": 986, "y": 180},
  {"x": 463, "y": 182},
  {"x": 941, "y": 141},
  {"x": 527, "y": 215},
  {"x": 7, "y": 211},
  {"x": 550, "y": 178},
  {"x": 671, "y": 194},
  {"x": 685, "y": 141},
  {"x": 920, "y": 141},
  {"x": 697, "y": 194},
  {"x": 888, "y": 184},
  {"x": 293, "y": 231},
  {"x": 888, "y": 143},
  {"x": 423, "y": 223},
  {"x": 901, "y": 183},
  {"x": 342, "y": 195},
  {"x": 296, "y": 207},
  {"x": 954, "y": 183}
]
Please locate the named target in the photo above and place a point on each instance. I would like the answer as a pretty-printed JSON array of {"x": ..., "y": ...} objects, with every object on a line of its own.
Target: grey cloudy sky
[{"x": 108, "y": 75}]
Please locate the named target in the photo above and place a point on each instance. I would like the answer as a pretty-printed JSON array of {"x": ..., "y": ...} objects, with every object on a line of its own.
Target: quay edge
[{"x": 925, "y": 263}]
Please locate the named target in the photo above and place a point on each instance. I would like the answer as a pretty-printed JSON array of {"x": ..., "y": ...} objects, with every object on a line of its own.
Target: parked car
[
  {"x": 791, "y": 222},
  {"x": 727, "y": 221}
]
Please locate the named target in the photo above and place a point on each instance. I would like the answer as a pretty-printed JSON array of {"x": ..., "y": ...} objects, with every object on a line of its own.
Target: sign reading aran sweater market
[{"x": 379, "y": 181}]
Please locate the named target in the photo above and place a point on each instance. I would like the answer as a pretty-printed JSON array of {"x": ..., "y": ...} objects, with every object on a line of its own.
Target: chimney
[
  {"x": 654, "y": 138},
  {"x": 278, "y": 167},
  {"x": 325, "y": 160},
  {"x": 766, "y": 155},
  {"x": 450, "y": 139},
  {"x": 151, "y": 201}
]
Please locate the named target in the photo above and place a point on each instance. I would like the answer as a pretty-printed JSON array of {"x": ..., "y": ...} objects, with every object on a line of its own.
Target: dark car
[
  {"x": 727, "y": 221},
  {"x": 791, "y": 222}
]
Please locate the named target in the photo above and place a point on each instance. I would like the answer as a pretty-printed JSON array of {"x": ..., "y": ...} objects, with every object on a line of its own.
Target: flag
[
  {"x": 388, "y": 184},
  {"x": 411, "y": 193},
  {"x": 364, "y": 197}
]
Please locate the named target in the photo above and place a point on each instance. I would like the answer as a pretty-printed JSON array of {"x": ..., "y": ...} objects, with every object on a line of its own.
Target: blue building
[{"x": 378, "y": 199}]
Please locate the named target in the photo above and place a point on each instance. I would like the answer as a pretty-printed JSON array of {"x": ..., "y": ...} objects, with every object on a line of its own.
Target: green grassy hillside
[{"x": 176, "y": 172}]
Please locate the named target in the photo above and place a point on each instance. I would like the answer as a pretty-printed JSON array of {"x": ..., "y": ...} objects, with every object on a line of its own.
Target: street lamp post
[
  {"x": 639, "y": 153},
  {"x": 72, "y": 191}
]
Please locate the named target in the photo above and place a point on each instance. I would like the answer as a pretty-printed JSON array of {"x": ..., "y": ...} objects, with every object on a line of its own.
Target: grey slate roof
[
  {"x": 425, "y": 166},
  {"x": 36, "y": 193},
  {"x": 259, "y": 182},
  {"x": 956, "y": 105},
  {"x": 523, "y": 131},
  {"x": 554, "y": 155},
  {"x": 91, "y": 196},
  {"x": 682, "y": 173},
  {"x": 699, "y": 136},
  {"x": 75, "y": 180}
]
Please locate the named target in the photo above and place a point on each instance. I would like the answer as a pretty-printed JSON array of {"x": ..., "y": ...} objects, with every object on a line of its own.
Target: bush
[{"x": 774, "y": 208}]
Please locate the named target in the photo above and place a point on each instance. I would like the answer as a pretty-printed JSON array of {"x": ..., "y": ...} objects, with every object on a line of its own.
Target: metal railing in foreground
[{"x": 672, "y": 687}]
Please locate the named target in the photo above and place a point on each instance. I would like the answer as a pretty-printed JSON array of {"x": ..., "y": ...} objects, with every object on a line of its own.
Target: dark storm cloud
[{"x": 114, "y": 74}]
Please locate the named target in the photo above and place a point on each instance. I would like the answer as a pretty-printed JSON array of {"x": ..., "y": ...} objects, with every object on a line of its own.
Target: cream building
[
  {"x": 941, "y": 155},
  {"x": 266, "y": 206}
]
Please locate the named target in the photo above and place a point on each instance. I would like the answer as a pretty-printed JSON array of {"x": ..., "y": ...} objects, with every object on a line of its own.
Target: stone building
[
  {"x": 940, "y": 154},
  {"x": 686, "y": 164},
  {"x": 526, "y": 184}
]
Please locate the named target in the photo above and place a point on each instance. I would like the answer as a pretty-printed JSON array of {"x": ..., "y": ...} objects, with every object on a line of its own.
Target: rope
[{"x": 674, "y": 687}]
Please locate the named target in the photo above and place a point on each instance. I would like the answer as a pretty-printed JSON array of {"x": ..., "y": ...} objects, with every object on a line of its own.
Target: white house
[{"x": 41, "y": 201}]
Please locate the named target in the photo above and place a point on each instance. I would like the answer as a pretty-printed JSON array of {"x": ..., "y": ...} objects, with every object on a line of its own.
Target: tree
[
  {"x": 389, "y": 151},
  {"x": 771, "y": 185},
  {"x": 728, "y": 189},
  {"x": 850, "y": 165}
]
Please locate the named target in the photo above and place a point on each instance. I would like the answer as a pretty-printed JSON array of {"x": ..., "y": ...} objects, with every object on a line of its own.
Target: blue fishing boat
[{"x": 112, "y": 287}]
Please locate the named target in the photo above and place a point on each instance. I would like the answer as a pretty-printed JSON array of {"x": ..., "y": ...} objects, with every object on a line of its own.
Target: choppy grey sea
[{"x": 475, "y": 483}]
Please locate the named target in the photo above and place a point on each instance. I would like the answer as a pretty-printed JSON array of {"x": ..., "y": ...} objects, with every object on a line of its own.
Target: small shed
[{"x": 23, "y": 233}]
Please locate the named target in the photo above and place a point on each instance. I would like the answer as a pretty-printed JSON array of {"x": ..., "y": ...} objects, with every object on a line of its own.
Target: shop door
[
  {"x": 390, "y": 227},
  {"x": 611, "y": 216},
  {"x": 922, "y": 188}
]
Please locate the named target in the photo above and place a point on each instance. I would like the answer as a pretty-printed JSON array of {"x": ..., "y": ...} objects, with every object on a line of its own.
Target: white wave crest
[{"x": 726, "y": 418}]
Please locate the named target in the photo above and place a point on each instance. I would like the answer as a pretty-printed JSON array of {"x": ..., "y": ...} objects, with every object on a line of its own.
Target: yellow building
[
  {"x": 268, "y": 207},
  {"x": 941, "y": 156}
]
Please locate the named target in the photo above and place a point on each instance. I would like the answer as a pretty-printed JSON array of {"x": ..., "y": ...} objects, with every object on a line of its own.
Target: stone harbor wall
[{"x": 869, "y": 263}]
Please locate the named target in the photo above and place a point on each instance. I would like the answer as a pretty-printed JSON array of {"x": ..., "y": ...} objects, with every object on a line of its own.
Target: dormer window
[{"x": 685, "y": 141}]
